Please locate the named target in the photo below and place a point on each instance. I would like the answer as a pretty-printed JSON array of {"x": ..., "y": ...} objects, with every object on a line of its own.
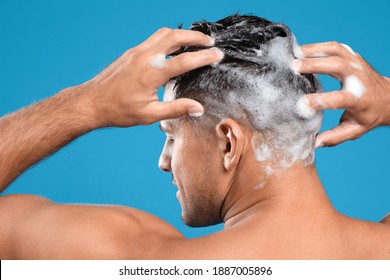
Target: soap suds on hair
[
  {"x": 158, "y": 61},
  {"x": 297, "y": 50},
  {"x": 353, "y": 85},
  {"x": 303, "y": 108},
  {"x": 280, "y": 113},
  {"x": 262, "y": 152},
  {"x": 169, "y": 94},
  {"x": 296, "y": 66},
  {"x": 259, "y": 52},
  {"x": 255, "y": 84}
]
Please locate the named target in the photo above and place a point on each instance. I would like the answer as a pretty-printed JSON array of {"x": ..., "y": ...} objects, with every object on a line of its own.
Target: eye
[{"x": 170, "y": 141}]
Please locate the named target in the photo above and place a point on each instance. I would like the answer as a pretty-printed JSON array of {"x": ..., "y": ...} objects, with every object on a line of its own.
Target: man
[{"x": 233, "y": 164}]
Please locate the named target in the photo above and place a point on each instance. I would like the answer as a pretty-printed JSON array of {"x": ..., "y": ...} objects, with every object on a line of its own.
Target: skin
[
  {"x": 361, "y": 115},
  {"x": 289, "y": 218}
]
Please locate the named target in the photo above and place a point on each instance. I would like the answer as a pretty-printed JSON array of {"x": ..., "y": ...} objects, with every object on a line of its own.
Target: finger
[
  {"x": 191, "y": 60},
  {"x": 178, "y": 108},
  {"x": 334, "y": 66},
  {"x": 175, "y": 39},
  {"x": 328, "y": 49},
  {"x": 347, "y": 130},
  {"x": 331, "y": 100},
  {"x": 155, "y": 37}
]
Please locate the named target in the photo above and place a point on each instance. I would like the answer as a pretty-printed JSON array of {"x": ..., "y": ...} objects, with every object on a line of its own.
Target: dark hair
[{"x": 248, "y": 43}]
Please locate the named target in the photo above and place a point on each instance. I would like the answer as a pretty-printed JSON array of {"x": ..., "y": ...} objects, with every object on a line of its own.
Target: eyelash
[{"x": 170, "y": 141}]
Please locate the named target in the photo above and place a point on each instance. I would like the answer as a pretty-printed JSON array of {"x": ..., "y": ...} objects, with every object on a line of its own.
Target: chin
[{"x": 200, "y": 220}]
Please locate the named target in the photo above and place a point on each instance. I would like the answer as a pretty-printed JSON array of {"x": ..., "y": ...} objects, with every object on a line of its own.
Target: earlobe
[{"x": 230, "y": 142}]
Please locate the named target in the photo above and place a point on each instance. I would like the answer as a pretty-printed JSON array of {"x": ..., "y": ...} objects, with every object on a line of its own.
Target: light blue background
[{"x": 46, "y": 46}]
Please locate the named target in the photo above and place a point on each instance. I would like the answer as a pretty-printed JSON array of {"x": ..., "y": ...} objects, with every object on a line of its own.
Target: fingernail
[
  {"x": 304, "y": 109},
  {"x": 296, "y": 65},
  {"x": 212, "y": 41},
  {"x": 318, "y": 102},
  {"x": 348, "y": 48},
  {"x": 319, "y": 144},
  {"x": 220, "y": 53},
  {"x": 195, "y": 111}
]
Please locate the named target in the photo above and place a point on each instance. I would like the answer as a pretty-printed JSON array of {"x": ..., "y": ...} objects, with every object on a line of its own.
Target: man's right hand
[
  {"x": 362, "y": 113},
  {"x": 125, "y": 93}
]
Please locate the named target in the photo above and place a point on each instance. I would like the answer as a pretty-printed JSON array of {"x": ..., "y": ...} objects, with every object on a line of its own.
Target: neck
[{"x": 296, "y": 192}]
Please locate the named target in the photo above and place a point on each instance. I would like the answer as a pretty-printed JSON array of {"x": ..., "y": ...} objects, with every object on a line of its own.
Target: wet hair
[
  {"x": 240, "y": 37},
  {"x": 254, "y": 81}
]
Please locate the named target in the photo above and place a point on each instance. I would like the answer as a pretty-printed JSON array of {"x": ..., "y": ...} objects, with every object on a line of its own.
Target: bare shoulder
[
  {"x": 32, "y": 227},
  {"x": 370, "y": 239}
]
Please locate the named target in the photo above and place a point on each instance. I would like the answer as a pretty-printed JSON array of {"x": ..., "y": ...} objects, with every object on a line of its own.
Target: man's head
[{"x": 252, "y": 98}]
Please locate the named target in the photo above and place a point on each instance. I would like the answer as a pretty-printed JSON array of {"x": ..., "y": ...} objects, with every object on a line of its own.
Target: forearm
[
  {"x": 122, "y": 95},
  {"x": 387, "y": 103},
  {"x": 33, "y": 133}
]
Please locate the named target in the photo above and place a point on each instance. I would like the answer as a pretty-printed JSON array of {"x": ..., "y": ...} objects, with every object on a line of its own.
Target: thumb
[{"x": 178, "y": 108}]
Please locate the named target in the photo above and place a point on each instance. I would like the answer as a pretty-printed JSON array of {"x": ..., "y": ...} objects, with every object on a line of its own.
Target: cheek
[
  {"x": 188, "y": 164},
  {"x": 183, "y": 163}
]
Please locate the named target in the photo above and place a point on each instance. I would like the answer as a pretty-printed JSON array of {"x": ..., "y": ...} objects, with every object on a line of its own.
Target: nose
[{"x": 164, "y": 163}]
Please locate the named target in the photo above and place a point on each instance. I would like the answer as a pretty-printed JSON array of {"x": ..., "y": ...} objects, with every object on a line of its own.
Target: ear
[{"x": 230, "y": 142}]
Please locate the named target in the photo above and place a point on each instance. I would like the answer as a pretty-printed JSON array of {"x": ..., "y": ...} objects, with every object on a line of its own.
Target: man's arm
[
  {"x": 365, "y": 94},
  {"x": 37, "y": 228},
  {"x": 124, "y": 94},
  {"x": 37, "y": 131}
]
